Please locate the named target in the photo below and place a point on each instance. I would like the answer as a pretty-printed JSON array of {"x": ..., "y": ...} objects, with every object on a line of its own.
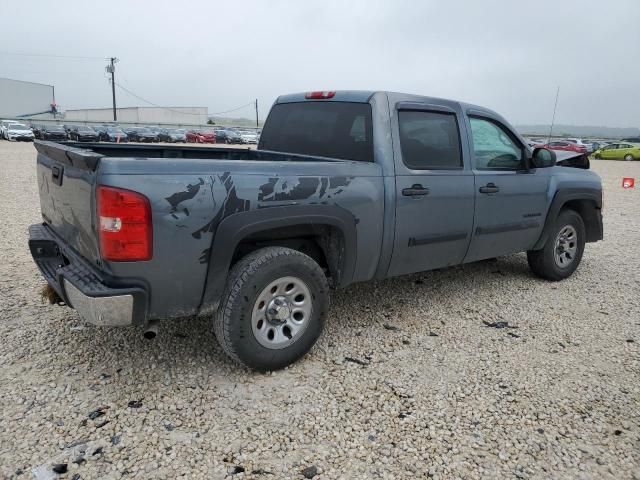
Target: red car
[
  {"x": 201, "y": 136},
  {"x": 565, "y": 146}
]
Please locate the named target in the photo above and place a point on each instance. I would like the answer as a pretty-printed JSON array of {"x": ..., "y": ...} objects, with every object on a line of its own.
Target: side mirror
[{"x": 543, "y": 158}]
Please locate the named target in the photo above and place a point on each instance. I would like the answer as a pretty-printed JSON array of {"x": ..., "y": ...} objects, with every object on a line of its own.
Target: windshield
[
  {"x": 18, "y": 127},
  {"x": 55, "y": 129},
  {"x": 143, "y": 130},
  {"x": 114, "y": 130},
  {"x": 85, "y": 129},
  {"x": 179, "y": 131}
]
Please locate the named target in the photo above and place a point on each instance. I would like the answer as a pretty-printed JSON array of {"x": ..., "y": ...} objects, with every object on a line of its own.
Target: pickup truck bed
[{"x": 190, "y": 199}]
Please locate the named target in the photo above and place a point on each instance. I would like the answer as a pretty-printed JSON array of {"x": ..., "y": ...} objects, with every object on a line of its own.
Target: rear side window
[
  {"x": 325, "y": 129},
  {"x": 429, "y": 140}
]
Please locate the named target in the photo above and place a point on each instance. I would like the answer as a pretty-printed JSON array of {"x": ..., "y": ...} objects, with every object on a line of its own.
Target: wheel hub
[
  {"x": 278, "y": 311},
  {"x": 281, "y": 312},
  {"x": 566, "y": 246}
]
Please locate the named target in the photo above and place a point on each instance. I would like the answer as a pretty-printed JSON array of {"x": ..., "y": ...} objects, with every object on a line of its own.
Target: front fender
[{"x": 560, "y": 200}]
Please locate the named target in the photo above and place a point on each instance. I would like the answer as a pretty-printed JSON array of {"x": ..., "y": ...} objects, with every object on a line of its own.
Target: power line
[
  {"x": 76, "y": 57},
  {"x": 179, "y": 111}
]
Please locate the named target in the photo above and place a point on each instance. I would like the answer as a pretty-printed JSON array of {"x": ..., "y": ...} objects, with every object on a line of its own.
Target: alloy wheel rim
[
  {"x": 566, "y": 246},
  {"x": 281, "y": 313}
]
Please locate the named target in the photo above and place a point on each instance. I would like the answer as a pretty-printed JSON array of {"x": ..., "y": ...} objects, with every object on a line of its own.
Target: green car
[{"x": 619, "y": 151}]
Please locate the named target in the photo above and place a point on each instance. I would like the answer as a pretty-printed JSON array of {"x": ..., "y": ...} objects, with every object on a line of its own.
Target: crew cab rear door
[
  {"x": 434, "y": 187},
  {"x": 511, "y": 200}
]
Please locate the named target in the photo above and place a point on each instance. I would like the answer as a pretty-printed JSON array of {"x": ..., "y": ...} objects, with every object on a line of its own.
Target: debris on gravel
[{"x": 365, "y": 402}]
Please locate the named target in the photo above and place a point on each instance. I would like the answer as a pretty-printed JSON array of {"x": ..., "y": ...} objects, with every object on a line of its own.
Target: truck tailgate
[{"x": 66, "y": 182}]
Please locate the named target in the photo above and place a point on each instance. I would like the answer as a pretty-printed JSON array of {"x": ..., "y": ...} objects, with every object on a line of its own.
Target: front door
[
  {"x": 434, "y": 191},
  {"x": 511, "y": 201}
]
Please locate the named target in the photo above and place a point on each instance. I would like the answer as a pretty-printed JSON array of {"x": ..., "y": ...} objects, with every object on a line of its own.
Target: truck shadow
[{"x": 188, "y": 346}]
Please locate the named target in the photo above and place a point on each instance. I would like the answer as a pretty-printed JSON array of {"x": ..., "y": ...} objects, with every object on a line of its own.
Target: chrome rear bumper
[{"x": 115, "y": 310}]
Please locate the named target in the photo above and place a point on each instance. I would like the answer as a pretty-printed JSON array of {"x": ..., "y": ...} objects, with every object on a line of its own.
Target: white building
[
  {"x": 147, "y": 115},
  {"x": 18, "y": 98}
]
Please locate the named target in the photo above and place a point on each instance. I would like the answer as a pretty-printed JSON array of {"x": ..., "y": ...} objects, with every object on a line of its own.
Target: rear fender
[{"x": 233, "y": 229}]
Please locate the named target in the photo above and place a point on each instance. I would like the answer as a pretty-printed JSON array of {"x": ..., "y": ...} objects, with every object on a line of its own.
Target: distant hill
[
  {"x": 579, "y": 131},
  {"x": 235, "y": 122}
]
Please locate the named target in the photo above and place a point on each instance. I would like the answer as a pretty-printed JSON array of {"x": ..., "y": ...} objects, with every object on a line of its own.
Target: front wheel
[
  {"x": 628, "y": 157},
  {"x": 563, "y": 250},
  {"x": 273, "y": 308}
]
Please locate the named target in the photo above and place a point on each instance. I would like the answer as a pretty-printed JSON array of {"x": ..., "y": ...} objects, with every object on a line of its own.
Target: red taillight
[
  {"x": 317, "y": 95},
  {"x": 124, "y": 225}
]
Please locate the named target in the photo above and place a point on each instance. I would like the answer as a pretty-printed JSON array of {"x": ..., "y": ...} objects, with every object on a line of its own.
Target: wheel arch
[
  {"x": 587, "y": 202},
  {"x": 325, "y": 230}
]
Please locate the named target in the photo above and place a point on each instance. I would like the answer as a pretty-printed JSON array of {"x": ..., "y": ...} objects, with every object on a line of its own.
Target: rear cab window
[{"x": 341, "y": 130}]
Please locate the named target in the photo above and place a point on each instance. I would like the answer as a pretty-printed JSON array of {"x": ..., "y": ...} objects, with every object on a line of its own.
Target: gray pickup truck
[{"x": 345, "y": 187}]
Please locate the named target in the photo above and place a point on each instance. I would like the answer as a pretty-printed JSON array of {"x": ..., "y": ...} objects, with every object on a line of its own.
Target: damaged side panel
[{"x": 187, "y": 209}]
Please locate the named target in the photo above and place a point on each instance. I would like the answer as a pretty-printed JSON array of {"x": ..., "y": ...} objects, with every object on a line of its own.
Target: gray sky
[{"x": 506, "y": 55}]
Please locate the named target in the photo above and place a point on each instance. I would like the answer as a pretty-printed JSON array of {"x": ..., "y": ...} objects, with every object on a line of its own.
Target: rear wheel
[
  {"x": 598, "y": 156},
  {"x": 273, "y": 308},
  {"x": 628, "y": 157},
  {"x": 562, "y": 252}
]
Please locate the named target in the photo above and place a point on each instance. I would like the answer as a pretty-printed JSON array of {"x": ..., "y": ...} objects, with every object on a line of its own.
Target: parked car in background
[
  {"x": 19, "y": 132},
  {"x": 532, "y": 142},
  {"x": 619, "y": 151},
  {"x": 599, "y": 144},
  {"x": 227, "y": 136},
  {"x": 579, "y": 141},
  {"x": 113, "y": 134},
  {"x": 100, "y": 129},
  {"x": 248, "y": 136},
  {"x": 52, "y": 132},
  {"x": 83, "y": 133},
  {"x": 4, "y": 124},
  {"x": 141, "y": 134},
  {"x": 37, "y": 130},
  {"x": 201, "y": 136},
  {"x": 564, "y": 145},
  {"x": 172, "y": 135},
  {"x": 631, "y": 140}
]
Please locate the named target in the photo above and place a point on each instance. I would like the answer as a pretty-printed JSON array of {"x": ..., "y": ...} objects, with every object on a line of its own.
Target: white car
[
  {"x": 3, "y": 127},
  {"x": 578, "y": 141},
  {"x": 19, "y": 132},
  {"x": 249, "y": 137}
]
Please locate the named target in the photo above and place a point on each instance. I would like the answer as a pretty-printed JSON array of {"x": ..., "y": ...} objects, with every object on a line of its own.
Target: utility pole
[
  {"x": 112, "y": 70},
  {"x": 257, "y": 124}
]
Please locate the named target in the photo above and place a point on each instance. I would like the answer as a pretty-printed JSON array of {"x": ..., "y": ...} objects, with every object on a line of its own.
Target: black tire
[
  {"x": 246, "y": 282},
  {"x": 543, "y": 262},
  {"x": 598, "y": 156}
]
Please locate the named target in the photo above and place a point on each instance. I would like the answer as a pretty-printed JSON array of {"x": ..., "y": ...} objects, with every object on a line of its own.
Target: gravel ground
[{"x": 406, "y": 382}]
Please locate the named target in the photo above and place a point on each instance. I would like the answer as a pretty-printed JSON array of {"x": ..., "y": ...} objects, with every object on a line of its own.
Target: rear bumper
[{"x": 96, "y": 298}]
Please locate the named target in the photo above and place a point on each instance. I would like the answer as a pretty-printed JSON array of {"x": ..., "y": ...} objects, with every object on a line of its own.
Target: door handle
[
  {"x": 415, "y": 190},
  {"x": 489, "y": 188}
]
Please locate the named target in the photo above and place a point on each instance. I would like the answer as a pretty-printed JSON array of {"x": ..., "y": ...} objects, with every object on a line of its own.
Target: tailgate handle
[{"x": 56, "y": 174}]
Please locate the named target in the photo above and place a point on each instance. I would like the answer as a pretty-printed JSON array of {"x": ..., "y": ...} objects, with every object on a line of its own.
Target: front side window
[
  {"x": 493, "y": 147},
  {"x": 429, "y": 140}
]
